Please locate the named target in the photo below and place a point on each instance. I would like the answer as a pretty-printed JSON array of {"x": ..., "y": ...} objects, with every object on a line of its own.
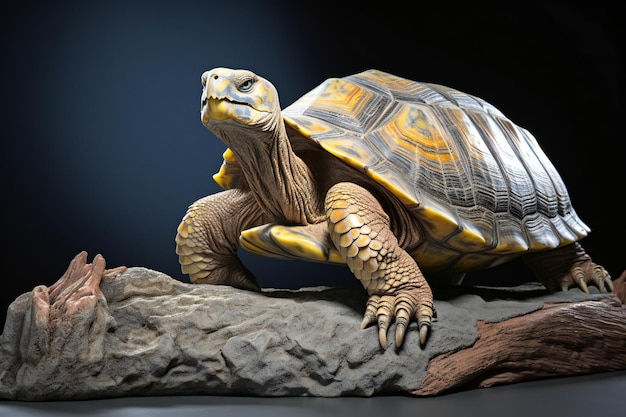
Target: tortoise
[{"x": 408, "y": 183}]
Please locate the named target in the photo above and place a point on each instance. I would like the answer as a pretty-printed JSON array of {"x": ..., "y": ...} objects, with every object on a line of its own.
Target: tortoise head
[{"x": 238, "y": 97}]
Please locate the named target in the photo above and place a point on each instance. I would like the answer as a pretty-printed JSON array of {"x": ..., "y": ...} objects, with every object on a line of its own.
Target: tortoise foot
[
  {"x": 400, "y": 306},
  {"x": 586, "y": 273},
  {"x": 207, "y": 239},
  {"x": 234, "y": 274},
  {"x": 568, "y": 266}
]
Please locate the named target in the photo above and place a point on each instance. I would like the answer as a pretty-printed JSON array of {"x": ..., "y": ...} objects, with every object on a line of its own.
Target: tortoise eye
[{"x": 246, "y": 86}]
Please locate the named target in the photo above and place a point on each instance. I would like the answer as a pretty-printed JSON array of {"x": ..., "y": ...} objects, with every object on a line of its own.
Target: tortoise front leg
[
  {"x": 208, "y": 239},
  {"x": 360, "y": 229}
]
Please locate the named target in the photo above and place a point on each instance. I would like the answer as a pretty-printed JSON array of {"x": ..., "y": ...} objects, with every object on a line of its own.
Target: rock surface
[{"x": 100, "y": 333}]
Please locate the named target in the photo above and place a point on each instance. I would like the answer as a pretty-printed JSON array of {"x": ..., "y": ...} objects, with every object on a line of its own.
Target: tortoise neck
[{"x": 281, "y": 182}]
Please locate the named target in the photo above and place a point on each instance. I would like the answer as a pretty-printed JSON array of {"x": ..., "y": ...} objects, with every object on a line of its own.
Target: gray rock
[{"x": 148, "y": 334}]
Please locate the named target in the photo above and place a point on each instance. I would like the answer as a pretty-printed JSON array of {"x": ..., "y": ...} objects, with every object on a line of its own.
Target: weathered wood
[{"x": 560, "y": 339}]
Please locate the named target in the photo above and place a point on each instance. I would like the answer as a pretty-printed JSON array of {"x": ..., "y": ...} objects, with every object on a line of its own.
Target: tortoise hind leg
[
  {"x": 568, "y": 266},
  {"x": 360, "y": 230},
  {"x": 207, "y": 239}
]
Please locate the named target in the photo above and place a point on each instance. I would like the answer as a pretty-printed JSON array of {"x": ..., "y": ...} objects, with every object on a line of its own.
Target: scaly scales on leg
[
  {"x": 359, "y": 228},
  {"x": 208, "y": 237}
]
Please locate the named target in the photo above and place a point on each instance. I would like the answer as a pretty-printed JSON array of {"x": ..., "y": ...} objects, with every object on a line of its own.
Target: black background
[{"x": 103, "y": 149}]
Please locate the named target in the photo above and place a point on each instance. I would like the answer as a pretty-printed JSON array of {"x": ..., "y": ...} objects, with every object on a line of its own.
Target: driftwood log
[
  {"x": 101, "y": 332},
  {"x": 560, "y": 339}
]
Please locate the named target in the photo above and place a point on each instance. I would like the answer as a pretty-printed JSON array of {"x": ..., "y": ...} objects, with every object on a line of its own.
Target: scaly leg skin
[
  {"x": 208, "y": 239},
  {"x": 359, "y": 228},
  {"x": 568, "y": 266}
]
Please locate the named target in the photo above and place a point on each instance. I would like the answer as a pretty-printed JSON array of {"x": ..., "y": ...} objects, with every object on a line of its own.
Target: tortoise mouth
[
  {"x": 222, "y": 109},
  {"x": 207, "y": 100}
]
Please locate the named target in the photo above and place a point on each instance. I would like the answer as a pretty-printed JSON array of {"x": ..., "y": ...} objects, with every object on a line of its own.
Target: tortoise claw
[
  {"x": 383, "y": 324},
  {"x": 370, "y": 312},
  {"x": 400, "y": 307},
  {"x": 424, "y": 321},
  {"x": 582, "y": 284},
  {"x": 424, "y": 330},
  {"x": 402, "y": 321},
  {"x": 400, "y": 330}
]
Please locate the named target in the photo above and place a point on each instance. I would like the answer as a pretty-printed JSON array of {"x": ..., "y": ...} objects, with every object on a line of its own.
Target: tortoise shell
[{"x": 477, "y": 183}]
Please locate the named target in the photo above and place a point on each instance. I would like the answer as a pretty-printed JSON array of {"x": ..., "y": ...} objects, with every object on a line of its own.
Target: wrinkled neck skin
[{"x": 280, "y": 181}]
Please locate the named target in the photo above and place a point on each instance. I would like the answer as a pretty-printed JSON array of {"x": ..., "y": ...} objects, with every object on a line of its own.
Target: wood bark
[{"x": 561, "y": 339}]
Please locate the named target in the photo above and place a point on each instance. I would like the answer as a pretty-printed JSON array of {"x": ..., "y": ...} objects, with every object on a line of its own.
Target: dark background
[{"x": 103, "y": 148}]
